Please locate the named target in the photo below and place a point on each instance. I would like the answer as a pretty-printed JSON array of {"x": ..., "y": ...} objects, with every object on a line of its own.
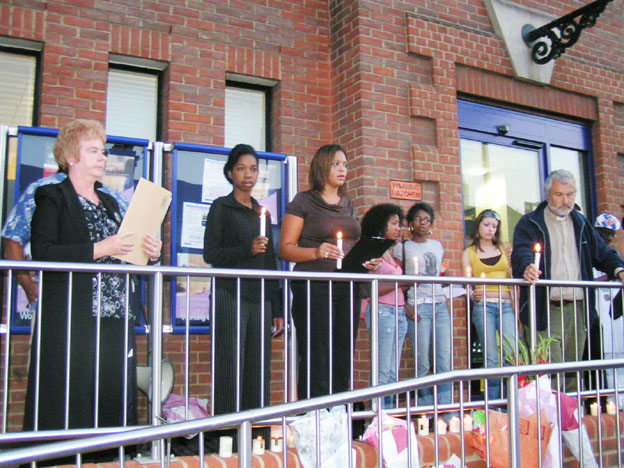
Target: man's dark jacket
[{"x": 593, "y": 252}]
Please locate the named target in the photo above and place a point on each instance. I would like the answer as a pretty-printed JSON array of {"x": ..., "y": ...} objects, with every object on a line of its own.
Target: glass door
[{"x": 502, "y": 178}]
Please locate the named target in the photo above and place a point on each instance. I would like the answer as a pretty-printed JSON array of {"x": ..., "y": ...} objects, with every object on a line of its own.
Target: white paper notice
[
  {"x": 194, "y": 224},
  {"x": 214, "y": 183}
]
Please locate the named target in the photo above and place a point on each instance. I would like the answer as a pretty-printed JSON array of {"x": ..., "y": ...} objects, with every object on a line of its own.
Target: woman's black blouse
[{"x": 230, "y": 230}]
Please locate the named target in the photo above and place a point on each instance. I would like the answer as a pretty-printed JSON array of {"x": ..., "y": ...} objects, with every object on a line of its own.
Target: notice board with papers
[{"x": 197, "y": 181}]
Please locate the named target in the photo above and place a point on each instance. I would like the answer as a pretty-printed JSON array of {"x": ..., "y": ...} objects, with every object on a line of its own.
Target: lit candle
[
  {"x": 454, "y": 425},
  {"x": 593, "y": 408},
  {"x": 444, "y": 268},
  {"x": 611, "y": 409},
  {"x": 468, "y": 423},
  {"x": 339, "y": 245},
  {"x": 423, "y": 426},
  {"x": 263, "y": 222},
  {"x": 276, "y": 444},
  {"x": 468, "y": 272},
  {"x": 441, "y": 426},
  {"x": 482, "y": 275},
  {"x": 225, "y": 446},
  {"x": 289, "y": 438},
  {"x": 538, "y": 254},
  {"x": 416, "y": 265},
  {"x": 258, "y": 446}
]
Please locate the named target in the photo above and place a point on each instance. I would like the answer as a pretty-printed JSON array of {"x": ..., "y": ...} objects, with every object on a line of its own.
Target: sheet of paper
[
  {"x": 214, "y": 184},
  {"x": 145, "y": 215},
  {"x": 194, "y": 224}
]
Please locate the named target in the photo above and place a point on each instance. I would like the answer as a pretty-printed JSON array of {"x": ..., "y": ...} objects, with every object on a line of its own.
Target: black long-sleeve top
[{"x": 230, "y": 230}]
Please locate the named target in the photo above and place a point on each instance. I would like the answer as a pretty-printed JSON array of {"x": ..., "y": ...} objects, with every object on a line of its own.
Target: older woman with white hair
[{"x": 75, "y": 221}]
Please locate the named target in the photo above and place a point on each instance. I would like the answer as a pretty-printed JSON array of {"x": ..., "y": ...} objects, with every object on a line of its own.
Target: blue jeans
[
  {"x": 388, "y": 348},
  {"x": 492, "y": 325},
  {"x": 423, "y": 343}
]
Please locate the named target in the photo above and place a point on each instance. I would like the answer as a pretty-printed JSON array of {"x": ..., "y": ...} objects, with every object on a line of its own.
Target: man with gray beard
[{"x": 571, "y": 247}]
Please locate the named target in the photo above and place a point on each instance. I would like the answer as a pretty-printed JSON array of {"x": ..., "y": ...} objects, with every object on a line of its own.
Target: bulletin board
[
  {"x": 128, "y": 161},
  {"x": 198, "y": 180}
]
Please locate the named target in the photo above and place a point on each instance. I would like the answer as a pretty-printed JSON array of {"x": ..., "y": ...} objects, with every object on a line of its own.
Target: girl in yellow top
[{"x": 485, "y": 255}]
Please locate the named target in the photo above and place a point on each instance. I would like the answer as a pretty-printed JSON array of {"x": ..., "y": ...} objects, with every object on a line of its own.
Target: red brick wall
[{"x": 381, "y": 77}]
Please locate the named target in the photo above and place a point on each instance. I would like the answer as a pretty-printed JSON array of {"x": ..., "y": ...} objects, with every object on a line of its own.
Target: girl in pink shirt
[{"x": 385, "y": 221}]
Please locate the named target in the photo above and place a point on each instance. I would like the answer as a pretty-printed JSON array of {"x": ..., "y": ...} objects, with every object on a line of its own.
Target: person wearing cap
[
  {"x": 607, "y": 226},
  {"x": 571, "y": 247}
]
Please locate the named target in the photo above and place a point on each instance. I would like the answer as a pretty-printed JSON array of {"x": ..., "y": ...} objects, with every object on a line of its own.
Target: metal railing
[
  {"x": 159, "y": 275},
  {"x": 287, "y": 412}
]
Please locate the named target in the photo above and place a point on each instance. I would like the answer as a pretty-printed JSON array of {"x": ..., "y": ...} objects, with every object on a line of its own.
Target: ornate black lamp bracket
[{"x": 548, "y": 42}]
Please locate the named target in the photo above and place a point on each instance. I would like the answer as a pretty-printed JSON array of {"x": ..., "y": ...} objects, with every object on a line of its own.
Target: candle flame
[
  {"x": 482, "y": 275},
  {"x": 263, "y": 211},
  {"x": 538, "y": 248},
  {"x": 339, "y": 235}
]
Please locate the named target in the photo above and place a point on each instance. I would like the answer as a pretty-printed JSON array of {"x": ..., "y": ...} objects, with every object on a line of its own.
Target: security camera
[{"x": 503, "y": 129}]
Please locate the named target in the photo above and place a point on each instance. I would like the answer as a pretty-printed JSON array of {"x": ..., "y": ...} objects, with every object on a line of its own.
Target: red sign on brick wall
[{"x": 405, "y": 190}]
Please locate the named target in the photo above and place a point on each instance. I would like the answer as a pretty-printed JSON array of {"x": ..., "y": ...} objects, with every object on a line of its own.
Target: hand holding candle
[
  {"x": 339, "y": 245},
  {"x": 538, "y": 254}
]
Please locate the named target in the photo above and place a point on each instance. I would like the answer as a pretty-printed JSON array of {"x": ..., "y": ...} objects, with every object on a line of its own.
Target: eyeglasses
[
  {"x": 491, "y": 214},
  {"x": 420, "y": 220},
  {"x": 94, "y": 151}
]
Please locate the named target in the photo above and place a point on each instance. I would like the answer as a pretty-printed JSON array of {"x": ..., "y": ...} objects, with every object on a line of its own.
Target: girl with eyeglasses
[
  {"x": 423, "y": 256},
  {"x": 486, "y": 257}
]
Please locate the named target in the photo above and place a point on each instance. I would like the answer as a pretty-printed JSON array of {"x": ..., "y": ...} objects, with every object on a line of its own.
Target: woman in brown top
[{"x": 309, "y": 238}]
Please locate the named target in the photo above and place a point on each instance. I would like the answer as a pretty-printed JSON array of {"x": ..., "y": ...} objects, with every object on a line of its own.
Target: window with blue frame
[{"x": 506, "y": 156}]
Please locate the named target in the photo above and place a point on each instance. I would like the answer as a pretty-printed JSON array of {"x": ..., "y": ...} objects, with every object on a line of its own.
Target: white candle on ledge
[
  {"x": 441, "y": 426},
  {"x": 423, "y": 426},
  {"x": 454, "y": 425},
  {"x": 258, "y": 446},
  {"x": 611, "y": 408},
  {"x": 263, "y": 222},
  {"x": 276, "y": 444},
  {"x": 225, "y": 446},
  {"x": 593, "y": 408},
  {"x": 468, "y": 423},
  {"x": 339, "y": 245}
]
